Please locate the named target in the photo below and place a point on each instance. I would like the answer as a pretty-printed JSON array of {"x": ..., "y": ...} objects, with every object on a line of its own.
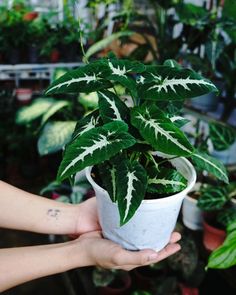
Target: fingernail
[{"x": 152, "y": 257}]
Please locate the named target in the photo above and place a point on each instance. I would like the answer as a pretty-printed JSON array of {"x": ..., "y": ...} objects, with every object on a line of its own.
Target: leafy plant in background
[
  {"x": 53, "y": 134},
  {"x": 217, "y": 199},
  {"x": 225, "y": 255},
  {"x": 120, "y": 140}
]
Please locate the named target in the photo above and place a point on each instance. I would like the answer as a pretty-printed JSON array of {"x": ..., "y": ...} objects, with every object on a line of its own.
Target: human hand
[
  {"x": 104, "y": 253},
  {"x": 87, "y": 217}
]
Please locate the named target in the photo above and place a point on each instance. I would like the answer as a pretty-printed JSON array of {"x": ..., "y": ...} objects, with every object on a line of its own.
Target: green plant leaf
[
  {"x": 168, "y": 83},
  {"x": 54, "y": 136},
  {"x": 87, "y": 78},
  {"x": 107, "y": 172},
  {"x": 35, "y": 110},
  {"x": 121, "y": 71},
  {"x": 212, "y": 198},
  {"x": 179, "y": 121},
  {"x": 165, "y": 181},
  {"x": 172, "y": 63},
  {"x": 159, "y": 131},
  {"x": 205, "y": 162},
  {"x": 111, "y": 107},
  {"x": 55, "y": 107},
  {"x": 87, "y": 123},
  {"x": 227, "y": 216},
  {"x": 131, "y": 188},
  {"x": 225, "y": 256},
  {"x": 222, "y": 136},
  {"x": 94, "y": 147},
  {"x": 102, "y": 44}
]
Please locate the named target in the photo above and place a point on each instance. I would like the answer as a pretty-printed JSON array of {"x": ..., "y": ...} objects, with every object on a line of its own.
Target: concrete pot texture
[{"x": 154, "y": 221}]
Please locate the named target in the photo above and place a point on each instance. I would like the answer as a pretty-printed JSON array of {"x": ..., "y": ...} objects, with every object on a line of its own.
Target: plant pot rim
[
  {"x": 191, "y": 181},
  {"x": 213, "y": 229}
]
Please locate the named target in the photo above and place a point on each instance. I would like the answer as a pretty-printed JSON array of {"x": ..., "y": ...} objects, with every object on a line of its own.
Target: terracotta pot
[
  {"x": 29, "y": 16},
  {"x": 185, "y": 290},
  {"x": 212, "y": 236},
  {"x": 23, "y": 95},
  {"x": 124, "y": 289},
  {"x": 55, "y": 55}
]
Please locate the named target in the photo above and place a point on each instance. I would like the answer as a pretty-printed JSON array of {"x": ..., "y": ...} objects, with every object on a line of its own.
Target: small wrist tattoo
[{"x": 53, "y": 213}]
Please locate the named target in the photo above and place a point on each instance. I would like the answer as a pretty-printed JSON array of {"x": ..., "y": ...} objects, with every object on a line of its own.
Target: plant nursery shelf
[{"x": 32, "y": 71}]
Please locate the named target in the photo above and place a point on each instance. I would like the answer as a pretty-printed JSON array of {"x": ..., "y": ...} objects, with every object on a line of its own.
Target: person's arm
[
  {"x": 19, "y": 265},
  {"x": 25, "y": 211}
]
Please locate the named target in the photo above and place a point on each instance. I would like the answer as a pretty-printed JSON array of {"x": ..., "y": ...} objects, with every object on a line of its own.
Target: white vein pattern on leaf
[
  {"x": 130, "y": 189},
  {"x": 157, "y": 129},
  {"x": 113, "y": 107},
  {"x": 156, "y": 77},
  {"x": 165, "y": 182},
  {"x": 212, "y": 164},
  {"x": 179, "y": 82},
  {"x": 90, "y": 125},
  {"x": 86, "y": 78},
  {"x": 140, "y": 80},
  {"x": 88, "y": 150},
  {"x": 117, "y": 71},
  {"x": 176, "y": 118}
]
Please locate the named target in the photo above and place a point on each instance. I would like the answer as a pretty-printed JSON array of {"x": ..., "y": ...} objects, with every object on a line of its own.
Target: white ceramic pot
[
  {"x": 227, "y": 157},
  {"x": 192, "y": 215},
  {"x": 153, "y": 222},
  {"x": 206, "y": 102}
]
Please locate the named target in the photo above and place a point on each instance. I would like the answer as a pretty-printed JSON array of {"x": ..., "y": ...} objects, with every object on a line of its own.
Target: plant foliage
[{"x": 123, "y": 138}]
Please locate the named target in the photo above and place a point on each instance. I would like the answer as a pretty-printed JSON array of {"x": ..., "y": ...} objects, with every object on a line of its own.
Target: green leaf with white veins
[
  {"x": 121, "y": 70},
  {"x": 159, "y": 131},
  {"x": 88, "y": 78},
  {"x": 111, "y": 107},
  {"x": 165, "y": 181},
  {"x": 131, "y": 188},
  {"x": 169, "y": 83},
  {"x": 94, "y": 147},
  {"x": 221, "y": 136},
  {"x": 212, "y": 198},
  {"x": 205, "y": 162},
  {"x": 87, "y": 123}
]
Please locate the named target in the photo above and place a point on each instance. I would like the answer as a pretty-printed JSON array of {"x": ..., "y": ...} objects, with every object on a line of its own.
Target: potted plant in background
[
  {"x": 119, "y": 141},
  {"x": 215, "y": 201}
]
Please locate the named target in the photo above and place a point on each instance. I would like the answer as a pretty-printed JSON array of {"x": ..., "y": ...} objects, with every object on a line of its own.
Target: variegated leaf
[
  {"x": 121, "y": 70},
  {"x": 172, "y": 63},
  {"x": 108, "y": 173},
  {"x": 165, "y": 181},
  {"x": 212, "y": 198},
  {"x": 221, "y": 136},
  {"x": 226, "y": 216},
  {"x": 168, "y": 83},
  {"x": 179, "y": 121},
  {"x": 88, "y": 78},
  {"x": 111, "y": 107},
  {"x": 38, "y": 107},
  {"x": 159, "y": 131},
  {"x": 205, "y": 162},
  {"x": 131, "y": 188},
  {"x": 55, "y": 107},
  {"x": 87, "y": 123},
  {"x": 94, "y": 147},
  {"x": 54, "y": 136}
]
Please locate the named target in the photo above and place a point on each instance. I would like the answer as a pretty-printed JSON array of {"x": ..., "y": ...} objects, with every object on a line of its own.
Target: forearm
[
  {"x": 19, "y": 265},
  {"x": 25, "y": 211}
]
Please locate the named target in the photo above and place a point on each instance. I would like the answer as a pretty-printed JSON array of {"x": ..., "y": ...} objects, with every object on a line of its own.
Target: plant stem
[{"x": 85, "y": 59}]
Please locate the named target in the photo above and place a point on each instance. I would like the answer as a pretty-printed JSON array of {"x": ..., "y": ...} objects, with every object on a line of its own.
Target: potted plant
[
  {"x": 215, "y": 201},
  {"x": 134, "y": 156}
]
